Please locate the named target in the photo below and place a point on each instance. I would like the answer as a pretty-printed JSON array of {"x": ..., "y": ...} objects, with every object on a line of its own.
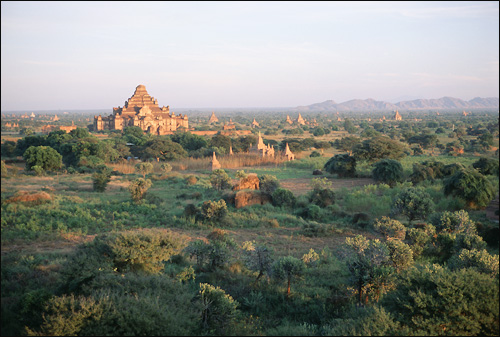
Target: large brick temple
[{"x": 143, "y": 111}]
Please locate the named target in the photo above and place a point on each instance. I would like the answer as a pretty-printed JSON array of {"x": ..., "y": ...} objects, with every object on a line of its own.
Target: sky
[{"x": 92, "y": 55}]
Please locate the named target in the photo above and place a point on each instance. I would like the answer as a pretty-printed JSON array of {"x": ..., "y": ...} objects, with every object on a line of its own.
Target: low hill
[{"x": 448, "y": 103}]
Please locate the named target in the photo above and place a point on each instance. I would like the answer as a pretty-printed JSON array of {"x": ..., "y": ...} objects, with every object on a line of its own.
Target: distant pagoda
[{"x": 213, "y": 118}]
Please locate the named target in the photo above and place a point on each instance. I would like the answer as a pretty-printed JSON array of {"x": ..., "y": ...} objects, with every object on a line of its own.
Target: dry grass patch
[{"x": 25, "y": 196}]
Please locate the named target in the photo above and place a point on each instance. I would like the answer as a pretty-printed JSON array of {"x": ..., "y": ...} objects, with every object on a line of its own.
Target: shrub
[
  {"x": 268, "y": 183},
  {"x": 419, "y": 238},
  {"x": 219, "y": 310},
  {"x": 101, "y": 178},
  {"x": 220, "y": 180},
  {"x": 314, "y": 229},
  {"x": 454, "y": 222},
  {"x": 43, "y": 156},
  {"x": 431, "y": 300},
  {"x": 138, "y": 188},
  {"x": 414, "y": 203},
  {"x": 287, "y": 268},
  {"x": 257, "y": 258},
  {"x": 364, "y": 321},
  {"x": 486, "y": 166},
  {"x": 322, "y": 198},
  {"x": 191, "y": 180},
  {"x": 283, "y": 198},
  {"x": 470, "y": 186},
  {"x": 311, "y": 258},
  {"x": 165, "y": 167},
  {"x": 214, "y": 210},
  {"x": 480, "y": 260},
  {"x": 67, "y": 316},
  {"x": 341, "y": 164},
  {"x": 388, "y": 171},
  {"x": 144, "y": 168},
  {"x": 400, "y": 254},
  {"x": 390, "y": 228}
]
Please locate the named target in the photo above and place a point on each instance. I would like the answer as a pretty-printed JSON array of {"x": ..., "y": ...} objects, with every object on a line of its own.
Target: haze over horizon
[{"x": 92, "y": 55}]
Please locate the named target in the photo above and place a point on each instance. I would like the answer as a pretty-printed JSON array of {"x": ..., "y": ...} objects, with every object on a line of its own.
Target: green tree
[
  {"x": 400, "y": 253},
  {"x": 471, "y": 186},
  {"x": 486, "y": 166},
  {"x": 414, "y": 203},
  {"x": 341, "y": 164},
  {"x": 322, "y": 193},
  {"x": 283, "y": 197},
  {"x": 349, "y": 126},
  {"x": 219, "y": 248},
  {"x": 214, "y": 210},
  {"x": 370, "y": 266},
  {"x": 388, "y": 171},
  {"x": 162, "y": 149},
  {"x": 347, "y": 144},
  {"x": 143, "y": 251},
  {"x": 257, "y": 258},
  {"x": 220, "y": 141},
  {"x": 138, "y": 188},
  {"x": 390, "y": 228},
  {"x": 479, "y": 260},
  {"x": 432, "y": 300},
  {"x": 43, "y": 156},
  {"x": 379, "y": 148},
  {"x": 220, "y": 180},
  {"x": 189, "y": 141},
  {"x": 101, "y": 178},
  {"x": 219, "y": 310},
  {"x": 287, "y": 268},
  {"x": 144, "y": 168},
  {"x": 268, "y": 183}
]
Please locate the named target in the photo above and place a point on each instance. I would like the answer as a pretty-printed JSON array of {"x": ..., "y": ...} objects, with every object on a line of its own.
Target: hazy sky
[{"x": 92, "y": 55}]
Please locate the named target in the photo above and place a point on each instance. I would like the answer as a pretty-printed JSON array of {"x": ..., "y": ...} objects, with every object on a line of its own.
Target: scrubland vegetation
[{"x": 394, "y": 235}]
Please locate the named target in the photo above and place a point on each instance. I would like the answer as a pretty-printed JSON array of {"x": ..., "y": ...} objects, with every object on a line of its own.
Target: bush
[
  {"x": 414, "y": 203},
  {"x": 480, "y": 260},
  {"x": 43, "y": 156},
  {"x": 471, "y": 186},
  {"x": 341, "y": 164},
  {"x": 431, "y": 300},
  {"x": 101, "y": 178},
  {"x": 400, "y": 254},
  {"x": 287, "y": 268},
  {"x": 219, "y": 310},
  {"x": 144, "y": 168},
  {"x": 487, "y": 166},
  {"x": 220, "y": 180},
  {"x": 388, "y": 171},
  {"x": 214, "y": 210},
  {"x": 420, "y": 238},
  {"x": 268, "y": 183},
  {"x": 138, "y": 188},
  {"x": 322, "y": 197},
  {"x": 315, "y": 229},
  {"x": 390, "y": 228},
  {"x": 283, "y": 198}
]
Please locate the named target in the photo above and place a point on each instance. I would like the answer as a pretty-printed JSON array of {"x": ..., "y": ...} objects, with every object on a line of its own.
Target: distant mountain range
[{"x": 448, "y": 103}]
